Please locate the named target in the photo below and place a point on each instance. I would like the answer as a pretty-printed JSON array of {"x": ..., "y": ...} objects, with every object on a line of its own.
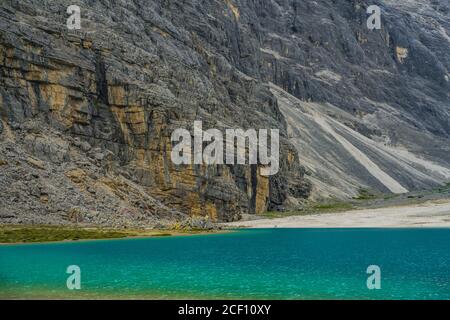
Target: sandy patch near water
[{"x": 430, "y": 214}]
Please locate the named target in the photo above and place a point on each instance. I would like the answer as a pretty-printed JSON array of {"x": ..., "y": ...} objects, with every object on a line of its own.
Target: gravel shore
[{"x": 429, "y": 214}]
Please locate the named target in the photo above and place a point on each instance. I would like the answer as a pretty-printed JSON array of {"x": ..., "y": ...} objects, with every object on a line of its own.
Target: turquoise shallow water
[{"x": 249, "y": 264}]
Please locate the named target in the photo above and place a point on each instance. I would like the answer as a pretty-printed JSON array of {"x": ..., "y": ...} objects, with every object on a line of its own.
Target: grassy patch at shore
[
  {"x": 33, "y": 234},
  {"x": 316, "y": 208},
  {"x": 22, "y": 234}
]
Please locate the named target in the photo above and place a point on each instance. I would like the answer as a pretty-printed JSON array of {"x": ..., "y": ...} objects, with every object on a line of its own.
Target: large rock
[{"x": 128, "y": 97}]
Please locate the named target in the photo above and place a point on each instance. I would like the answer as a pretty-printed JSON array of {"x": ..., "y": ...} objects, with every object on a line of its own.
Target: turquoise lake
[{"x": 248, "y": 264}]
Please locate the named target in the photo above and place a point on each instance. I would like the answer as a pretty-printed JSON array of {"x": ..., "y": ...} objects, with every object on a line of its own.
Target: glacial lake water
[{"x": 247, "y": 264}]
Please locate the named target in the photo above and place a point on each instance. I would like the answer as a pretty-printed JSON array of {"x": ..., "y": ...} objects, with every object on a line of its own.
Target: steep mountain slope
[
  {"x": 86, "y": 116},
  {"x": 341, "y": 159}
]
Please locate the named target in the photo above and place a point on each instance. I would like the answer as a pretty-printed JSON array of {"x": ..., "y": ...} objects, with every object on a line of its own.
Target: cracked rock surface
[{"x": 86, "y": 116}]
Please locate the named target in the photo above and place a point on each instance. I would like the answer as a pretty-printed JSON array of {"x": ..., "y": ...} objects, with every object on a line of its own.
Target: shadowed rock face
[{"x": 87, "y": 116}]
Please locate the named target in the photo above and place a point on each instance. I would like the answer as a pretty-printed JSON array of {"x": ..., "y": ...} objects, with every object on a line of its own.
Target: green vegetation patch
[
  {"x": 365, "y": 194},
  {"x": 442, "y": 189},
  {"x": 9, "y": 234},
  {"x": 314, "y": 208},
  {"x": 30, "y": 234},
  {"x": 332, "y": 206}
]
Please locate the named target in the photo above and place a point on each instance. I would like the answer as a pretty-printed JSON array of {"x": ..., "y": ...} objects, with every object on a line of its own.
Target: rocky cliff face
[{"x": 87, "y": 116}]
